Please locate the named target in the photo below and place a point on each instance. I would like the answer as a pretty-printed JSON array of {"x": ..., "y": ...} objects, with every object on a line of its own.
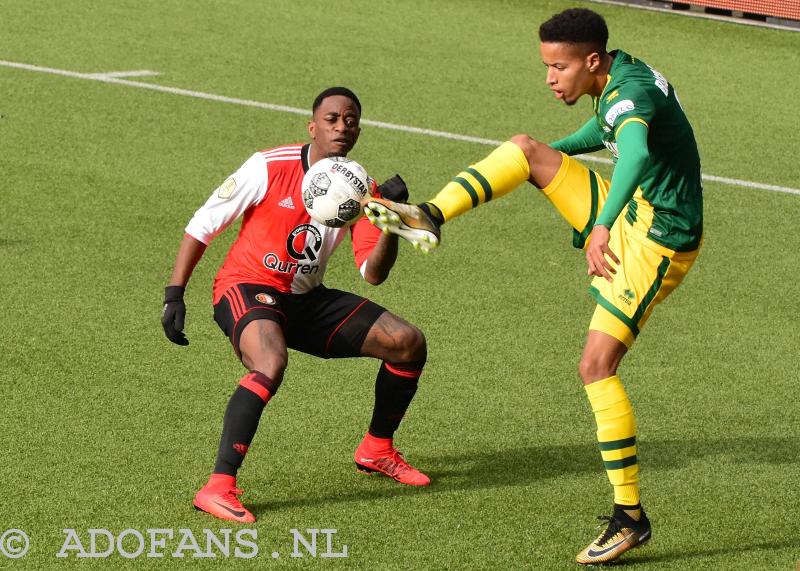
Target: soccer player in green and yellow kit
[{"x": 641, "y": 231}]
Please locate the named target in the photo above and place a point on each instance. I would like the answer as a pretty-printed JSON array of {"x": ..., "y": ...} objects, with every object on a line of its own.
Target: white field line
[
  {"x": 110, "y": 78},
  {"x": 136, "y": 73}
]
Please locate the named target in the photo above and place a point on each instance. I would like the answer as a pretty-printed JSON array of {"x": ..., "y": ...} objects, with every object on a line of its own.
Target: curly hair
[{"x": 576, "y": 26}]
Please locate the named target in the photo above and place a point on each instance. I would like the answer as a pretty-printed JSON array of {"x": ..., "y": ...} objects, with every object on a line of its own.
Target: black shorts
[{"x": 324, "y": 322}]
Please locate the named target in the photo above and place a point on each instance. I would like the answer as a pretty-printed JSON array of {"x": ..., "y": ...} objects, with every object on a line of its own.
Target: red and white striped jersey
[{"x": 278, "y": 245}]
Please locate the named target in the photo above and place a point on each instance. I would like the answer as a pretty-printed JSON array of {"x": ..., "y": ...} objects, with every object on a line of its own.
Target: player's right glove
[
  {"x": 394, "y": 189},
  {"x": 174, "y": 314}
]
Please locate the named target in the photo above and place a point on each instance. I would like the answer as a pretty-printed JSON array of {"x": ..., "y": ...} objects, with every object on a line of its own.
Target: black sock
[
  {"x": 394, "y": 389},
  {"x": 241, "y": 420},
  {"x": 625, "y": 514},
  {"x": 433, "y": 212}
]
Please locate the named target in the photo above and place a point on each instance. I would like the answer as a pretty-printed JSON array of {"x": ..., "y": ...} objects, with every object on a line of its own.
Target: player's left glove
[
  {"x": 394, "y": 189},
  {"x": 174, "y": 314}
]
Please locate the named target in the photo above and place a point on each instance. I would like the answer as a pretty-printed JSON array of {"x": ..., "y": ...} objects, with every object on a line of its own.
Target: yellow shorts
[{"x": 648, "y": 272}]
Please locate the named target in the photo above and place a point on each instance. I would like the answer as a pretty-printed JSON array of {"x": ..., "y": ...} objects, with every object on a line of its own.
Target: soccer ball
[{"x": 333, "y": 189}]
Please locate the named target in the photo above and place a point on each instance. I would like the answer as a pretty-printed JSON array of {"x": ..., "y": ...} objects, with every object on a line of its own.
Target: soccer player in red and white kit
[{"x": 268, "y": 295}]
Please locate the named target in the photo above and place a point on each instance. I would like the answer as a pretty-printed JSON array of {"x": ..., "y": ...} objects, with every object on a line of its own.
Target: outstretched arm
[{"x": 587, "y": 139}]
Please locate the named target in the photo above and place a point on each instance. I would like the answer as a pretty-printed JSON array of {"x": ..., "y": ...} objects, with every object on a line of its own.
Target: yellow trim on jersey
[
  {"x": 596, "y": 100},
  {"x": 629, "y": 120},
  {"x": 608, "y": 82},
  {"x": 643, "y": 213}
]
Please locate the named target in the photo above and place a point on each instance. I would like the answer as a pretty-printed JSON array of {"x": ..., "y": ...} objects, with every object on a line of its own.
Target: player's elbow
[
  {"x": 376, "y": 272},
  {"x": 375, "y": 278},
  {"x": 636, "y": 157},
  {"x": 641, "y": 159}
]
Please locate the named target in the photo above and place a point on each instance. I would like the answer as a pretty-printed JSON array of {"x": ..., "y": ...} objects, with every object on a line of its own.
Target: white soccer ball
[{"x": 333, "y": 189}]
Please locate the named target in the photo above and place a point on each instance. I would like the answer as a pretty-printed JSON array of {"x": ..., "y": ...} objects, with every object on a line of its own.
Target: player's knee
[
  {"x": 272, "y": 364},
  {"x": 412, "y": 345},
  {"x": 523, "y": 142},
  {"x": 530, "y": 147},
  {"x": 594, "y": 368}
]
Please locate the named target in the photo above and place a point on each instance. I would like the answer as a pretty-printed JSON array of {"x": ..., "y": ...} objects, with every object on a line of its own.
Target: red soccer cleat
[
  {"x": 388, "y": 461},
  {"x": 218, "y": 497}
]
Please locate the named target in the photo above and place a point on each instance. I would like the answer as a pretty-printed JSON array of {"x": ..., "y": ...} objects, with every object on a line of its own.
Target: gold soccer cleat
[
  {"x": 620, "y": 535},
  {"x": 406, "y": 220}
]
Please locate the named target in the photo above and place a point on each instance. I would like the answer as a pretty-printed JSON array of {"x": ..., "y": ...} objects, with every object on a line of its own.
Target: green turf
[{"x": 104, "y": 424}]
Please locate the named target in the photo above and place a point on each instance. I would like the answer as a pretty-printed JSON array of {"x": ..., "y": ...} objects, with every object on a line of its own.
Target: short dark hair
[
  {"x": 576, "y": 26},
  {"x": 331, "y": 91}
]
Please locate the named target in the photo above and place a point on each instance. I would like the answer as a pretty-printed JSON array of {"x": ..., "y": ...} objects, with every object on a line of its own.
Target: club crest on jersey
[
  {"x": 225, "y": 190},
  {"x": 305, "y": 254},
  {"x": 265, "y": 298}
]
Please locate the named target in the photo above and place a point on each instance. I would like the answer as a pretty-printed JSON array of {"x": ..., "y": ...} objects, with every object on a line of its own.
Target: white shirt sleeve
[{"x": 243, "y": 189}]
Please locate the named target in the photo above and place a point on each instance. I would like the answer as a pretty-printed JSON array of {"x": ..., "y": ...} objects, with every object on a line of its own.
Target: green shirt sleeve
[
  {"x": 587, "y": 139},
  {"x": 633, "y": 159}
]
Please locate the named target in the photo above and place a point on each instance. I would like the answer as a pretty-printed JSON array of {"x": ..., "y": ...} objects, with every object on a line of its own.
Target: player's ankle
[
  {"x": 433, "y": 212},
  {"x": 219, "y": 479},
  {"x": 376, "y": 444},
  {"x": 628, "y": 513}
]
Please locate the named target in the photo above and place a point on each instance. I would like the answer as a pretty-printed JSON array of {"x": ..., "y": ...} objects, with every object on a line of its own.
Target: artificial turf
[{"x": 105, "y": 424}]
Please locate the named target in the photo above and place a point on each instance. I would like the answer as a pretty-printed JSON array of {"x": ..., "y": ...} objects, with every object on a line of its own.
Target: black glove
[
  {"x": 394, "y": 189},
  {"x": 174, "y": 314}
]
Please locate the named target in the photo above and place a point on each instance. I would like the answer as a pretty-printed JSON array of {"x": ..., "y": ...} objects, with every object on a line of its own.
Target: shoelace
[
  {"x": 613, "y": 528},
  {"x": 230, "y": 496},
  {"x": 394, "y": 464}
]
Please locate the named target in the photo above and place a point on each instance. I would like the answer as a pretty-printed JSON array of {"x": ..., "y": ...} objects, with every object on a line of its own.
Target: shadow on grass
[
  {"x": 523, "y": 466},
  {"x": 695, "y": 554}
]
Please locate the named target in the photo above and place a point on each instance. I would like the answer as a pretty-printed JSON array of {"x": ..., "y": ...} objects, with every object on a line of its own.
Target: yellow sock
[
  {"x": 498, "y": 174},
  {"x": 616, "y": 433}
]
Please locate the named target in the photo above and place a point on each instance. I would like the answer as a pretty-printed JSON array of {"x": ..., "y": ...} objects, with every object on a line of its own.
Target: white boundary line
[
  {"x": 113, "y": 78},
  {"x": 138, "y": 73}
]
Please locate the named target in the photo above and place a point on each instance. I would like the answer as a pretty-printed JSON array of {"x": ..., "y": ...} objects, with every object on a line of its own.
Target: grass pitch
[{"x": 105, "y": 424}]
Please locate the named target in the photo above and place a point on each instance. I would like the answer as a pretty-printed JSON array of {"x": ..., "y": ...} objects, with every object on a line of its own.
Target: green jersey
[{"x": 666, "y": 202}]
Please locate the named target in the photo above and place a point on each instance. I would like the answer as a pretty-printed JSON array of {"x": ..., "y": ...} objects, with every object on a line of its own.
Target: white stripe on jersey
[
  {"x": 297, "y": 146},
  {"x": 282, "y": 151},
  {"x": 286, "y": 154},
  {"x": 273, "y": 159}
]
